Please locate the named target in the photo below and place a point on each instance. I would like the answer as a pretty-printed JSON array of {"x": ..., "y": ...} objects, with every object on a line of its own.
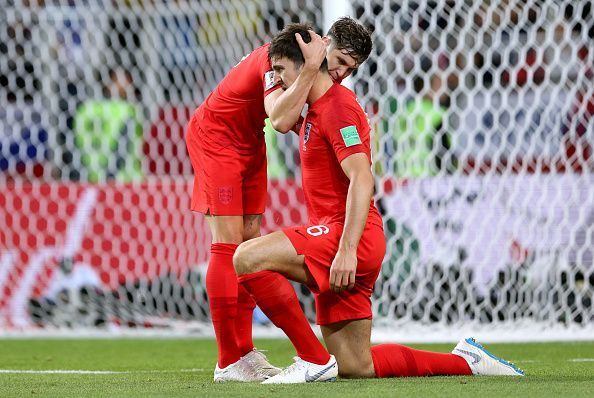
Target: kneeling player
[{"x": 339, "y": 254}]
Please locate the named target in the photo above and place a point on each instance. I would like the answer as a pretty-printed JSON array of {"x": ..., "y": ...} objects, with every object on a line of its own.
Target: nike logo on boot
[
  {"x": 309, "y": 378},
  {"x": 474, "y": 356}
]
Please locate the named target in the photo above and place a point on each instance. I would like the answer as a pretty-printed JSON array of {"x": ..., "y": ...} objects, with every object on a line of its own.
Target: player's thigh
[
  {"x": 318, "y": 243},
  {"x": 251, "y": 226},
  {"x": 226, "y": 229},
  {"x": 272, "y": 252},
  {"x": 221, "y": 180},
  {"x": 350, "y": 343},
  {"x": 234, "y": 229}
]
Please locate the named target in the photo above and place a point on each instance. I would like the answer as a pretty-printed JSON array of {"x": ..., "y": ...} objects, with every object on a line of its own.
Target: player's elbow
[
  {"x": 281, "y": 125},
  {"x": 364, "y": 181},
  {"x": 369, "y": 182}
]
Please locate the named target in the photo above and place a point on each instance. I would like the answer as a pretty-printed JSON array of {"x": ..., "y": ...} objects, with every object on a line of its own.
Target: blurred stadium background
[{"x": 483, "y": 129}]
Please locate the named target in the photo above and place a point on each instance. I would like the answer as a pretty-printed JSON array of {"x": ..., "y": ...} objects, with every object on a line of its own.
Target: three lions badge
[{"x": 306, "y": 134}]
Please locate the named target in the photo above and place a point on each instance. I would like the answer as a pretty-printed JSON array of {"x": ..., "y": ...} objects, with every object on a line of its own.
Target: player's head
[
  {"x": 285, "y": 54},
  {"x": 349, "y": 47}
]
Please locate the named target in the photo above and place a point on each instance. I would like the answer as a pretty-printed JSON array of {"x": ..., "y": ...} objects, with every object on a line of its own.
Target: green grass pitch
[{"x": 184, "y": 368}]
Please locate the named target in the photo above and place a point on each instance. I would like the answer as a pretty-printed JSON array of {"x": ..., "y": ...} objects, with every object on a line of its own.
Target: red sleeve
[
  {"x": 347, "y": 133},
  {"x": 267, "y": 74}
]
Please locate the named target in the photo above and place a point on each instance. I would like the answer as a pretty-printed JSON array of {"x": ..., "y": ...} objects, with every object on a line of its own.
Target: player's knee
[
  {"x": 244, "y": 259},
  {"x": 240, "y": 260}
]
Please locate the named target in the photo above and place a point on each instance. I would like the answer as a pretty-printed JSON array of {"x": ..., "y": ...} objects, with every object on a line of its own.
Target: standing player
[
  {"x": 228, "y": 154},
  {"x": 339, "y": 254}
]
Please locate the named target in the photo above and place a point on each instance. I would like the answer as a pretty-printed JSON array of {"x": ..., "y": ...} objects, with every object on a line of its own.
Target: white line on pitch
[
  {"x": 93, "y": 372},
  {"x": 569, "y": 360}
]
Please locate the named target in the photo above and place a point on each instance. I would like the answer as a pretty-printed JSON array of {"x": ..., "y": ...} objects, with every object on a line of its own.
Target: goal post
[{"x": 482, "y": 116}]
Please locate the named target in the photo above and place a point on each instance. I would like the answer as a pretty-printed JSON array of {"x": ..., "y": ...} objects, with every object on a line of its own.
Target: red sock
[
  {"x": 243, "y": 322},
  {"x": 393, "y": 360},
  {"x": 221, "y": 287},
  {"x": 277, "y": 299}
]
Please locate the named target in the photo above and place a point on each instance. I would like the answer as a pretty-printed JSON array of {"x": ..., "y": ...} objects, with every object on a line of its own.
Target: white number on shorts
[{"x": 318, "y": 230}]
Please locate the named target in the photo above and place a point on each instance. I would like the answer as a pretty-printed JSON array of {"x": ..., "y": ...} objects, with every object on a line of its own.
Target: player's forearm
[
  {"x": 288, "y": 106},
  {"x": 357, "y": 209}
]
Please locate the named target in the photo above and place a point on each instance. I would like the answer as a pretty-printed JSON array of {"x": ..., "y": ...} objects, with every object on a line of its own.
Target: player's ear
[{"x": 326, "y": 40}]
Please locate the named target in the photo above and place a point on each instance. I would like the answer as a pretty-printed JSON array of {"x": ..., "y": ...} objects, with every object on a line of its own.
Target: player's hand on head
[
  {"x": 343, "y": 270},
  {"x": 314, "y": 52}
]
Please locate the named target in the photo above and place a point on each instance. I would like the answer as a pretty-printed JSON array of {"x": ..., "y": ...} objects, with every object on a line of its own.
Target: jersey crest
[
  {"x": 225, "y": 195},
  {"x": 306, "y": 133}
]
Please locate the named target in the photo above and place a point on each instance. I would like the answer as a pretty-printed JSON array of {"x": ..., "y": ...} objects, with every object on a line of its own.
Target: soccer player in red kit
[
  {"x": 225, "y": 141},
  {"x": 338, "y": 255}
]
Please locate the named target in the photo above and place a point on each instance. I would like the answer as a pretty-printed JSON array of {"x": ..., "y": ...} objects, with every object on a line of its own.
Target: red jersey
[
  {"x": 335, "y": 127},
  {"x": 233, "y": 114}
]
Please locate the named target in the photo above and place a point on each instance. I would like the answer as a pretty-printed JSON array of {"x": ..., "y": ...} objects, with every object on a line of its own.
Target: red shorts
[
  {"x": 227, "y": 182},
  {"x": 319, "y": 243}
]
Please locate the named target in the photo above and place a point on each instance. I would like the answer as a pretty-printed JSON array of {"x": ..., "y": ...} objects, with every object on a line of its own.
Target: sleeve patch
[
  {"x": 268, "y": 80},
  {"x": 350, "y": 136}
]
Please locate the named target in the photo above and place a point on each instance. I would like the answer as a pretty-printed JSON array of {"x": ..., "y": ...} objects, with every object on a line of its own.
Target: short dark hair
[
  {"x": 349, "y": 35},
  {"x": 284, "y": 44}
]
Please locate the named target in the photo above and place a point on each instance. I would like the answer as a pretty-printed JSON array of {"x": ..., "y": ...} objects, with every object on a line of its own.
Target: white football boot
[
  {"x": 259, "y": 364},
  {"x": 238, "y": 371},
  {"x": 482, "y": 362},
  {"x": 306, "y": 372}
]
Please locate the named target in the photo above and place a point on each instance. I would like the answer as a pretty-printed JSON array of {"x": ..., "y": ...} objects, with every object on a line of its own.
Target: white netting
[
  {"x": 484, "y": 113},
  {"x": 483, "y": 124}
]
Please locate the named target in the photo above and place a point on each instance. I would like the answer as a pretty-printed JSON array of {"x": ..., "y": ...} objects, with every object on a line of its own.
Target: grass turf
[{"x": 184, "y": 367}]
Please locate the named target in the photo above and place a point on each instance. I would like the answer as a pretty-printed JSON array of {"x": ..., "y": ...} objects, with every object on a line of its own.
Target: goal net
[{"x": 483, "y": 126}]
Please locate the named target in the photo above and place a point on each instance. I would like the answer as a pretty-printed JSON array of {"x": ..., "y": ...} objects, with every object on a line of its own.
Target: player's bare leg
[
  {"x": 350, "y": 343},
  {"x": 263, "y": 266},
  {"x": 272, "y": 252},
  {"x": 251, "y": 226},
  {"x": 226, "y": 229},
  {"x": 231, "y": 305}
]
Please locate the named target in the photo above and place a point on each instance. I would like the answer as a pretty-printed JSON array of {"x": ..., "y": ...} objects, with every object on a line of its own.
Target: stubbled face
[
  {"x": 340, "y": 63},
  {"x": 285, "y": 72}
]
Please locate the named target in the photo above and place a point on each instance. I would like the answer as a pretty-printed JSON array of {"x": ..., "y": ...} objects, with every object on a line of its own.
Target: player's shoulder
[
  {"x": 343, "y": 95},
  {"x": 253, "y": 66},
  {"x": 258, "y": 56},
  {"x": 344, "y": 99},
  {"x": 261, "y": 51}
]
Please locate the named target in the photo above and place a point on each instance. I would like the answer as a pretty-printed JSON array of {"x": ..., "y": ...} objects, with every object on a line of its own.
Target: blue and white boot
[{"x": 482, "y": 362}]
